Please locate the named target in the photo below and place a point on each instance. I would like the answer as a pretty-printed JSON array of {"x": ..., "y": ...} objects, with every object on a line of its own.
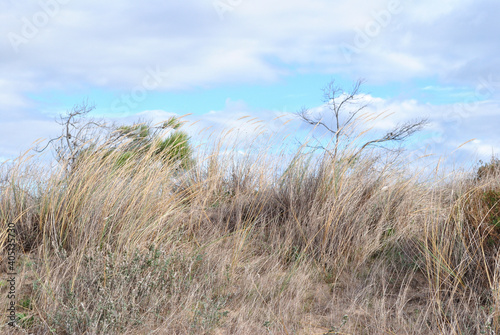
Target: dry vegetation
[{"x": 243, "y": 246}]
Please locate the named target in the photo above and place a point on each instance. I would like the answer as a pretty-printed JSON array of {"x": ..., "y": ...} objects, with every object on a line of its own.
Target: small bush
[
  {"x": 482, "y": 212},
  {"x": 488, "y": 169},
  {"x": 482, "y": 201}
]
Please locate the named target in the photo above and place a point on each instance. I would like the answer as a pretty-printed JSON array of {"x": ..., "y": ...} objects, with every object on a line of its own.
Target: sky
[{"x": 219, "y": 60}]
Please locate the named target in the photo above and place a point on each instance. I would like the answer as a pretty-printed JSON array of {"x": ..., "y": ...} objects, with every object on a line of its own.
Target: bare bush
[{"x": 345, "y": 107}]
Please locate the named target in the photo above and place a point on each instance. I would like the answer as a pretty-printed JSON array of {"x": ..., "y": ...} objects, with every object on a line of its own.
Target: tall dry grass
[{"x": 256, "y": 244}]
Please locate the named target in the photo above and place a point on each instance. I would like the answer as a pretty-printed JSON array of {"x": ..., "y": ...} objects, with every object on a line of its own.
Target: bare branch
[
  {"x": 338, "y": 100},
  {"x": 73, "y": 134},
  {"x": 398, "y": 134},
  {"x": 304, "y": 115}
]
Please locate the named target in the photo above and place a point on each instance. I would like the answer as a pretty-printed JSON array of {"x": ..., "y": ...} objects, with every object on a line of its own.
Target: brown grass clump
[{"x": 254, "y": 244}]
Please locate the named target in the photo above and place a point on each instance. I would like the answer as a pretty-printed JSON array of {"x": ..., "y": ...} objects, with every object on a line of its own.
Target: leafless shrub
[{"x": 345, "y": 107}]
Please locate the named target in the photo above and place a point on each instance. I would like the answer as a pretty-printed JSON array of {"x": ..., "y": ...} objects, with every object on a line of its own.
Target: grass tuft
[{"x": 265, "y": 242}]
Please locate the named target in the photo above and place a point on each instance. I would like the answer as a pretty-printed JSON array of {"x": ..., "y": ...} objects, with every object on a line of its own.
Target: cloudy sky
[{"x": 222, "y": 59}]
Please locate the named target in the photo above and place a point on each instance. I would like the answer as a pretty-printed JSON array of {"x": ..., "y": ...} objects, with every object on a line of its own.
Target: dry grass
[{"x": 245, "y": 246}]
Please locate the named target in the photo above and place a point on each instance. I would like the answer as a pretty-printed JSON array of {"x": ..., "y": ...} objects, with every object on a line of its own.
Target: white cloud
[
  {"x": 110, "y": 45},
  {"x": 20, "y": 135}
]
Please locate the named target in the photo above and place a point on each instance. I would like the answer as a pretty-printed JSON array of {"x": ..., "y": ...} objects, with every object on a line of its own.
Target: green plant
[
  {"x": 209, "y": 314},
  {"x": 26, "y": 303},
  {"x": 83, "y": 137},
  {"x": 25, "y": 320}
]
